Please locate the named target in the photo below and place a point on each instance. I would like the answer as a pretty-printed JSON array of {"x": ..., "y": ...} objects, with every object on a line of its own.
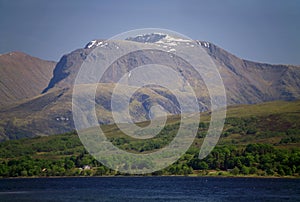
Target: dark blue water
[{"x": 149, "y": 189}]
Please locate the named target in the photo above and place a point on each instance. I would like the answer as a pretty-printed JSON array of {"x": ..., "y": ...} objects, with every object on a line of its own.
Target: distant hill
[{"x": 22, "y": 76}]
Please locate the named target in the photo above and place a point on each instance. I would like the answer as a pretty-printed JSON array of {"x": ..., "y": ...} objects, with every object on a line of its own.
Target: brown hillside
[{"x": 22, "y": 76}]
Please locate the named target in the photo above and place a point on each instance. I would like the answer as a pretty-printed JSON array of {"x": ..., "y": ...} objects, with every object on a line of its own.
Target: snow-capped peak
[
  {"x": 160, "y": 39},
  {"x": 147, "y": 38},
  {"x": 157, "y": 38}
]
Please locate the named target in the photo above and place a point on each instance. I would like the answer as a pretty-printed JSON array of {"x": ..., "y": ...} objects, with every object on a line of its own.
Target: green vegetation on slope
[{"x": 257, "y": 140}]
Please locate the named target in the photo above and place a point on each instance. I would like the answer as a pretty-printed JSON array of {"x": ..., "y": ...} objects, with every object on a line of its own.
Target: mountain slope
[
  {"x": 51, "y": 112},
  {"x": 252, "y": 82},
  {"x": 22, "y": 76}
]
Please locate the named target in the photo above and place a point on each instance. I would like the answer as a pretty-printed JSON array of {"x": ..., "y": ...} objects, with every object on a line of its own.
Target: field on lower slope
[{"x": 261, "y": 139}]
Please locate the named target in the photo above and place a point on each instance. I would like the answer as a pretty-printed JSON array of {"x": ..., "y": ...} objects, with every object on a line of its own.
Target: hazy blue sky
[{"x": 259, "y": 30}]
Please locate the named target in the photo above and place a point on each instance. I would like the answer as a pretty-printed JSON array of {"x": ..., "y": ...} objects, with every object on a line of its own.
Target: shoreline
[{"x": 154, "y": 176}]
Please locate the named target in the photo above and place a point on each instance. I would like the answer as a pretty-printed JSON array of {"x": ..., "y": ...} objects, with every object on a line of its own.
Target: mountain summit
[
  {"x": 148, "y": 38},
  {"x": 154, "y": 38}
]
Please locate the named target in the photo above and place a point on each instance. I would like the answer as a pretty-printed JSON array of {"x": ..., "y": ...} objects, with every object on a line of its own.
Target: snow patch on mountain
[
  {"x": 203, "y": 43},
  {"x": 167, "y": 41},
  {"x": 94, "y": 43},
  {"x": 159, "y": 38}
]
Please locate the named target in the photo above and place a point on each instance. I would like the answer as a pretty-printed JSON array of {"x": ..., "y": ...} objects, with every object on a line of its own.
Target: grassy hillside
[{"x": 261, "y": 139}]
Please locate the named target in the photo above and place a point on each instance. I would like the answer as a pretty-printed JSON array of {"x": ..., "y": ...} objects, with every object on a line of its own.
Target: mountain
[
  {"x": 22, "y": 76},
  {"x": 50, "y": 113},
  {"x": 245, "y": 81}
]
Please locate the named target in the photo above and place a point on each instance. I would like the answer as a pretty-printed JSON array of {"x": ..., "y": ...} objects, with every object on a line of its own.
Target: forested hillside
[{"x": 257, "y": 140}]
